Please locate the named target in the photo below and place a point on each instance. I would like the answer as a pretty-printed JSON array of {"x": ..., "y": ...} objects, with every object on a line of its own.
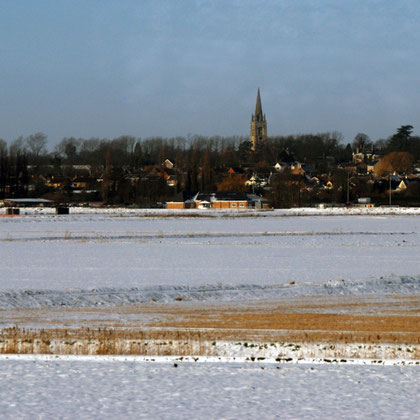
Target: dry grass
[
  {"x": 184, "y": 329},
  {"x": 101, "y": 341},
  {"x": 249, "y": 320},
  {"x": 175, "y": 341}
]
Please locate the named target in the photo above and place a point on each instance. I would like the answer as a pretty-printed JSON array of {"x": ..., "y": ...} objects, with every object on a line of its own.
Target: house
[
  {"x": 182, "y": 201},
  {"x": 172, "y": 181},
  {"x": 280, "y": 166},
  {"x": 366, "y": 154},
  {"x": 233, "y": 170},
  {"x": 308, "y": 169},
  {"x": 395, "y": 182},
  {"x": 168, "y": 164},
  {"x": 407, "y": 182},
  {"x": 256, "y": 181},
  {"x": 221, "y": 200},
  {"x": 257, "y": 202},
  {"x": 402, "y": 185},
  {"x": 297, "y": 169},
  {"x": 81, "y": 183},
  {"x": 230, "y": 200},
  {"x": 203, "y": 200},
  {"x": 77, "y": 170},
  {"x": 58, "y": 182},
  {"x": 325, "y": 183}
]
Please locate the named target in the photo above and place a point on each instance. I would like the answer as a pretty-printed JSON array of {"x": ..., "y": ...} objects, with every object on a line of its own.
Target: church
[{"x": 258, "y": 132}]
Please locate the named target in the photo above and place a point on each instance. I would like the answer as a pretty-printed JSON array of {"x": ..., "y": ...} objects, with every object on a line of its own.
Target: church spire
[
  {"x": 258, "y": 107},
  {"x": 258, "y": 132}
]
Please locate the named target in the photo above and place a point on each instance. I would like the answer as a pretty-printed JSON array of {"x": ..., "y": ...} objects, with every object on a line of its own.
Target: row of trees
[
  {"x": 225, "y": 151},
  {"x": 14, "y": 176},
  {"x": 234, "y": 150},
  {"x": 201, "y": 162},
  {"x": 33, "y": 145},
  {"x": 402, "y": 141}
]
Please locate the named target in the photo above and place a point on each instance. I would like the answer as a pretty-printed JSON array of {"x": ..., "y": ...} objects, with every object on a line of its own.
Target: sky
[{"x": 105, "y": 68}]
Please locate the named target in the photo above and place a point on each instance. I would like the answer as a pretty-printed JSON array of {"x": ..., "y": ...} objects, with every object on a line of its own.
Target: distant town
[{"x": 259, "y": 171}]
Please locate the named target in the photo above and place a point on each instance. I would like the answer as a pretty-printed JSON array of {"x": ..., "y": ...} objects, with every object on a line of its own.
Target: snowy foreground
[
  {"x": 105, "y": 388},
  {"x": 115, "y": 258}
]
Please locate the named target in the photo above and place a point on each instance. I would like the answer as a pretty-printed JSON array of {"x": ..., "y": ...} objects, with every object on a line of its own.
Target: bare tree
[
  {"x": 68, "y": 147},
  {"x": 380, "y": 144},
  {"x": 337, "y": 135},
  {"x": 16, "y": 146},
  {"x": 124, "y": 143},
  {"x": 90, "y": 145},
  {"x": 36, "y": 143},
  {"x": 361, "y": 141}
]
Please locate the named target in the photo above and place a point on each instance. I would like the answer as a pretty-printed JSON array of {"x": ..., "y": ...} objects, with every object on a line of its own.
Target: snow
[
  {"x": 109, "y": 296},
  {"x": 104, "y": 259},
  {"x": 110, "y": 387},
  {"x": 118, "y": 256}
]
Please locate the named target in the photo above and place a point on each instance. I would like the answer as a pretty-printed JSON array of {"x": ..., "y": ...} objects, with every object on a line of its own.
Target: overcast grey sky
[{"x": 104, "y": 68}]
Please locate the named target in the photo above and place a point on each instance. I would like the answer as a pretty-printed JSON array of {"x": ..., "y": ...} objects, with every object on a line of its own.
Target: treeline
[
  {"x": 186, "y": 151},
  {"x": 14, "y": 176},
  {"x": 195, "y": 151},
  {"x": 200, "y": 162}
]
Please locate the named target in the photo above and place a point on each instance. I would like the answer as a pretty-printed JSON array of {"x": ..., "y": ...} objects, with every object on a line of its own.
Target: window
[{"x": 233, "y": 204}]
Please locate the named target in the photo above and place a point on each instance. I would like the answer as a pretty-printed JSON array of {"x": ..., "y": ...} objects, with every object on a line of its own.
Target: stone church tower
[{"x": 258, "y": 132}]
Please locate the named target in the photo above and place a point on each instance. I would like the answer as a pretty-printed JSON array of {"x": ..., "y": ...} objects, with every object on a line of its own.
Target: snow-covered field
[
  {"x": 102, "y": 388},
  {"x": 112, "y": 258}
]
